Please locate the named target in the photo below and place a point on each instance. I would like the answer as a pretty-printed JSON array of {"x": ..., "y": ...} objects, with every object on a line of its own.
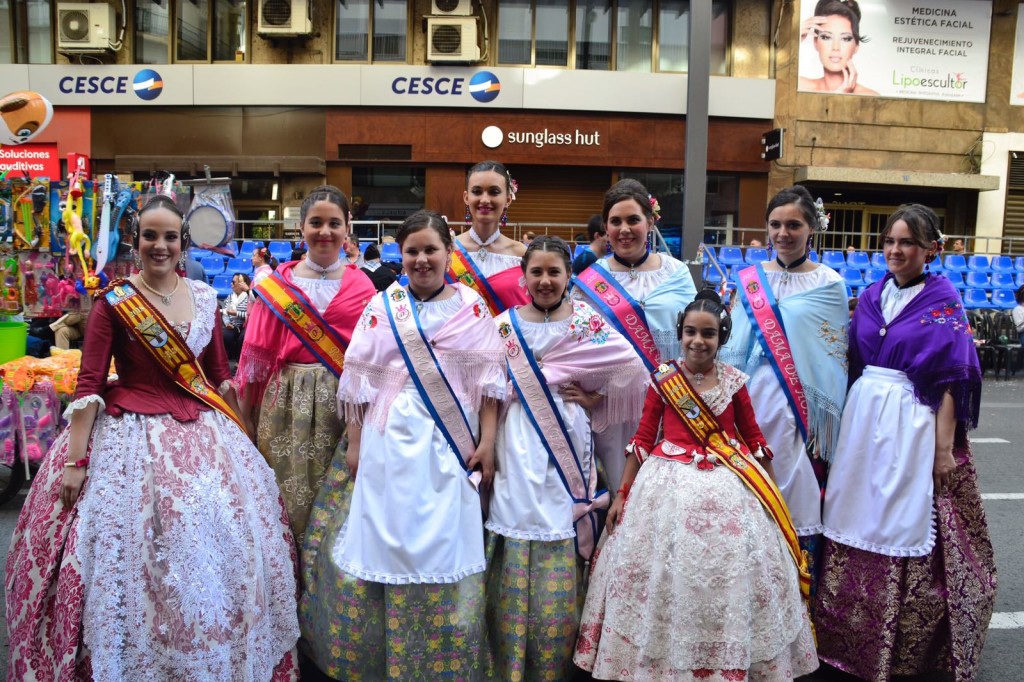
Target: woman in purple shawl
[{"x": 908, "y": 578}]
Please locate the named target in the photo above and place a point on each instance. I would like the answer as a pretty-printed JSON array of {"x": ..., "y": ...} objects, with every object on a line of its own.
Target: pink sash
[{"x": 623, "y": 311}]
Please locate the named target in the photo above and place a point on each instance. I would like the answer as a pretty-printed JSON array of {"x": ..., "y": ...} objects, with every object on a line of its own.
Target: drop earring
[
  {"x": 136, "y": 259},
  {"x": 504, "y": 217},
  {"x": 469, "y": 218},
  {"x": 182, "y": 260}
]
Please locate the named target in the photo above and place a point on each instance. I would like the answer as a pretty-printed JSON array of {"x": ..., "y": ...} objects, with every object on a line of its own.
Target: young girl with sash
[
  {"x": 701, "y": 575},
  {"x": 638, "y": 293},
  {"x": 153, "y": 544},
  {"x": 484, "y": 259},
  {"x": 790, "y": 336},
  {"x": 294, "y": 351},
  {"x": 570, "y": 372},
  {"x": 908, "y": 578},
  {"x": 395, "y": 568}
]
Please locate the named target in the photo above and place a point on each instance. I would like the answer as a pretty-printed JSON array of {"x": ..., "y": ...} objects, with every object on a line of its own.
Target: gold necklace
[{"x": 165, "y": 298}]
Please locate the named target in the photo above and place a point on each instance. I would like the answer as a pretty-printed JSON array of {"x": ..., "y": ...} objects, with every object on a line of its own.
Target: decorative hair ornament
[
  {"x": 941, "y": 241},
  {"x": 655, "y": 208},
  {"x": 514, "y": 187},
  {"x": 823, "y": 218}
]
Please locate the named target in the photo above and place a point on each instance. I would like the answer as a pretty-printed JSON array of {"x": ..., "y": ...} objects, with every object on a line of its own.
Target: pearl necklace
[
  {"x": 321, "y": 270},
  {"x": 483, "y": 243},
  {"x": 164, "y": 298}
]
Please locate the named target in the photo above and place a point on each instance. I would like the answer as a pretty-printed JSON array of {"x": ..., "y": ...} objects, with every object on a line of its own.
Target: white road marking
[
  {"x": 1010, "y": 620},
  {"x": 989, "y": 440},
  {"x": 1002, "y": 496}
]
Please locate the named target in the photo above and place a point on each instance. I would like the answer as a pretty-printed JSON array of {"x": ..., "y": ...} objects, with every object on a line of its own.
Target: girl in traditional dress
[
  {"x": 153, "y": 545},
  {"x": 908, "y": 578},
  {"x": 293, "y": 353},
  {"x": 566, "y": 364},
  {"x": 395, "y": 588},
  {"x": 639, "y": 293},
  {"x": 807, "y": 304},
  {"x": 263, "y": 264},
  {"x": 485, "y": 259},
  {"x": 699, "y": 578}
]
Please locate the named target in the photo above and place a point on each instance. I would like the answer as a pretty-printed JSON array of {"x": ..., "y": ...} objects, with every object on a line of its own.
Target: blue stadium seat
[
  {"x": 935, "y": 266},
  {"x": 390, "y": 252},
  {"x": 878, "y": 261},
  {"x": 979, "y": 264},
  {"x": 957, "y": 278},
  {"x": 874, "y": 275},
  {"x": 282, "y": 251},
  {"x": 243, "y": 265},
  {"x": 1020, "y": 279},
  {"x": 1002, "y": 264},
  {"x": 852, "y": 277},
  {"x": 859, "y": 260},
  {"x": 977, "y": 280},
  {"x": 199, "y": 254},
  {"x": 247, "y": 247},
  {"x": 975, "y": 298},
  {"x": 849, "y": 292},
  {"x": 711, "y": 275},
  {"x": 578, "y": 251},
  {"x": 811, "y": 256},
  {"x": 1003, "y": 298},
  {"x": 1003, "y": 280},
  {"x": 956, "y": 263},
  {"x": 214, "y": 265},
  {"x": 230, "y": 246},
  {"x": 756, "y": 255},
  {"x": 1018, "y": 263},
  {"x": 730, "y": 255},
  {"x": 222, "y": 285},
  {"x": 835, "y": 260},
  {"x": 403, "y": 280}
]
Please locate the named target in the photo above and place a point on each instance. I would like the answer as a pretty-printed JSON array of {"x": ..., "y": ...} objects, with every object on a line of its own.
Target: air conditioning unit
[
  {"x": 85, "y": 27},
  {"x": 451, "y": 8},
  {"x": 284, "y": 18},
  {"x": 452, "y": 39}
]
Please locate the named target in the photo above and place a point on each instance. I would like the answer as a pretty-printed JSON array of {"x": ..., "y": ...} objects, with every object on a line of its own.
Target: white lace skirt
[
  {"x": 186, "y": 556},
  {"x": 697, "y": 577}
]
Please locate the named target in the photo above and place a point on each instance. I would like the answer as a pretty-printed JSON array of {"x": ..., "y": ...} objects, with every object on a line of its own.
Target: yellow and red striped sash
[{"x": 165, "y": 346}]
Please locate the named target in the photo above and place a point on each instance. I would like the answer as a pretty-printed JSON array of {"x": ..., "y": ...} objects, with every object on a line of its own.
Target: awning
[
  {"x": 300, "y": 165},
  {"x": 899, "y": 178}
]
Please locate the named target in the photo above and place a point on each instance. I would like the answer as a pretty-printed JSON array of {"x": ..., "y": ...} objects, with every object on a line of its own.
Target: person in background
[
  {"x": 263, "y": 264},
  {"x": 958, "y": 247},
  {"x": 353, "y": 256},
  {"x": 233, "y": 314},
  {"x": 68, "y": 329},
  {"x": 1018, "y": 312},
  {"x": 528, "y": 237},
  {"x": 597, "y": 248},
  {"x": 194, "y": 270},
  {"x": 756, "y": 244},
  {"x": 381, "y": 275}
]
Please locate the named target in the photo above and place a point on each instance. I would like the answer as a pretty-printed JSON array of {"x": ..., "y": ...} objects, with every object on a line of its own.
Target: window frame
[
  {"x": 409, "y": 35},
  {"x": 18, "y": 36},
  {"x": 172, "y": 38}
]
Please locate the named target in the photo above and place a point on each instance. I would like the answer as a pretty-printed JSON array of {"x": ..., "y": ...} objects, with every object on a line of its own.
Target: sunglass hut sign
[{"x": 493, "y": 137}]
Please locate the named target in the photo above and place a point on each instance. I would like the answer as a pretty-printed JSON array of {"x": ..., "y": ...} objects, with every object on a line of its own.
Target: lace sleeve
[{"x": 82, "y": 403}]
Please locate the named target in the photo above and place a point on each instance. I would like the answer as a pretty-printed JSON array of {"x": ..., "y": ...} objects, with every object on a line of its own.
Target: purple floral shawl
[{"x": 930, "y": 340}]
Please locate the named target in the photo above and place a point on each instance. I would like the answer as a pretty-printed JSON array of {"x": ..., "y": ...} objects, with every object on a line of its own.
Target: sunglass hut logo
[
  {"x": 483, "y": 86},
  {"x": 147, "y": 85}
]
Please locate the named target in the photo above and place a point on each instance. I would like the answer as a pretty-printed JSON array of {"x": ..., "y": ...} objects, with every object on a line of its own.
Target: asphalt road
[{"x": 998, "y": 451}]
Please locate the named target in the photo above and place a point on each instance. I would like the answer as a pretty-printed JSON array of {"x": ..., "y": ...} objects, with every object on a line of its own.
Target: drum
[{"x": 210, "y": 225}]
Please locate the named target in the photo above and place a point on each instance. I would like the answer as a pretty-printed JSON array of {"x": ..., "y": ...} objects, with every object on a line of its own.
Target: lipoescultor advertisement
[{"x": 934, "y": 49}]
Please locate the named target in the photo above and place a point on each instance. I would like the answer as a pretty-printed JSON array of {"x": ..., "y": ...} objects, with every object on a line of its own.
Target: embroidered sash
[
  {"x": 430, "y": 381},
  {"x": 165, "y": 346},
  {"x": 465, "y": 270},
  {"x": 622, "y": 311},
  {"x": 290, "y": 305},
  {"x": 701, "y": 422},
  {"x": 540, "y": 408},
  {"x": 766, "y": 320}
]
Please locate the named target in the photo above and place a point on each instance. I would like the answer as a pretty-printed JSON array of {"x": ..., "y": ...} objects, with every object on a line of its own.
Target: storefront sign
[
  {"x": 493, "y": 137},
  {"x": 66, "y": 84},
  {"x": 38, "y": 160},
  {"x": 910, "y": 49}
]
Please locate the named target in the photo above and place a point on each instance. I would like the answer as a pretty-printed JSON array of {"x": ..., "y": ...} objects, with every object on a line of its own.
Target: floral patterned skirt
[
  {"x": 299, "y": 433},
  {"x": 175, "y": 563},
  {"x": 879, "y": 616},
  {"x": 534, "y": 599},
  {"x": 695, "y": 583}
]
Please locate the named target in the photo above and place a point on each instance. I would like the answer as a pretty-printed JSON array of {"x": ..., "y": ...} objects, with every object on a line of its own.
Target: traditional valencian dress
[
  {"x": 698, "y": 581},
  {"x": 534, "y": 583},
  {"x": 288, "y": 369},
  {"x": 810, "y": 310},
  {"x": 176, "y": 561},
  {"x": 495, "y": 276},
  {"x": 642, "y": 306},
  {"x": 908, "y": 578},
  {"x": 395, "y": 582}
]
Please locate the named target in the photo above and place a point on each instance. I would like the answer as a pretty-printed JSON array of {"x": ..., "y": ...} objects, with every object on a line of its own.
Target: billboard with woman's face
[{"x": 934, "y": 49}]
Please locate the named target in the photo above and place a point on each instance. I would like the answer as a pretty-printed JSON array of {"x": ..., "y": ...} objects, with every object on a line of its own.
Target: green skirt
[
  {"x": 535, "y": 597},
  {"x": 299, "y": 433},
  {"x": 357, "y": 630}
]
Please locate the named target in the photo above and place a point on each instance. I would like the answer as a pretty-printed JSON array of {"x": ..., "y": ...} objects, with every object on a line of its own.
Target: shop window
[
  {"x": 26, "y": 31},
  {"x": 606, "y": 34},
  {"x": 386, "y": 193},
  {"x": 386, "y": 20},
  {"x": 204, "y": 31}
]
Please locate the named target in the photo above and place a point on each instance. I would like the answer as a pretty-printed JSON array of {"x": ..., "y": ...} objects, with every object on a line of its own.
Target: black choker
[
  {"x": 786, "y": 268},
  {"x": 632, "y": 266},
  {"x": 911, "y": 283},
  {"x": 547, "y": 311},
  {"x": 421, "y": 301}
]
